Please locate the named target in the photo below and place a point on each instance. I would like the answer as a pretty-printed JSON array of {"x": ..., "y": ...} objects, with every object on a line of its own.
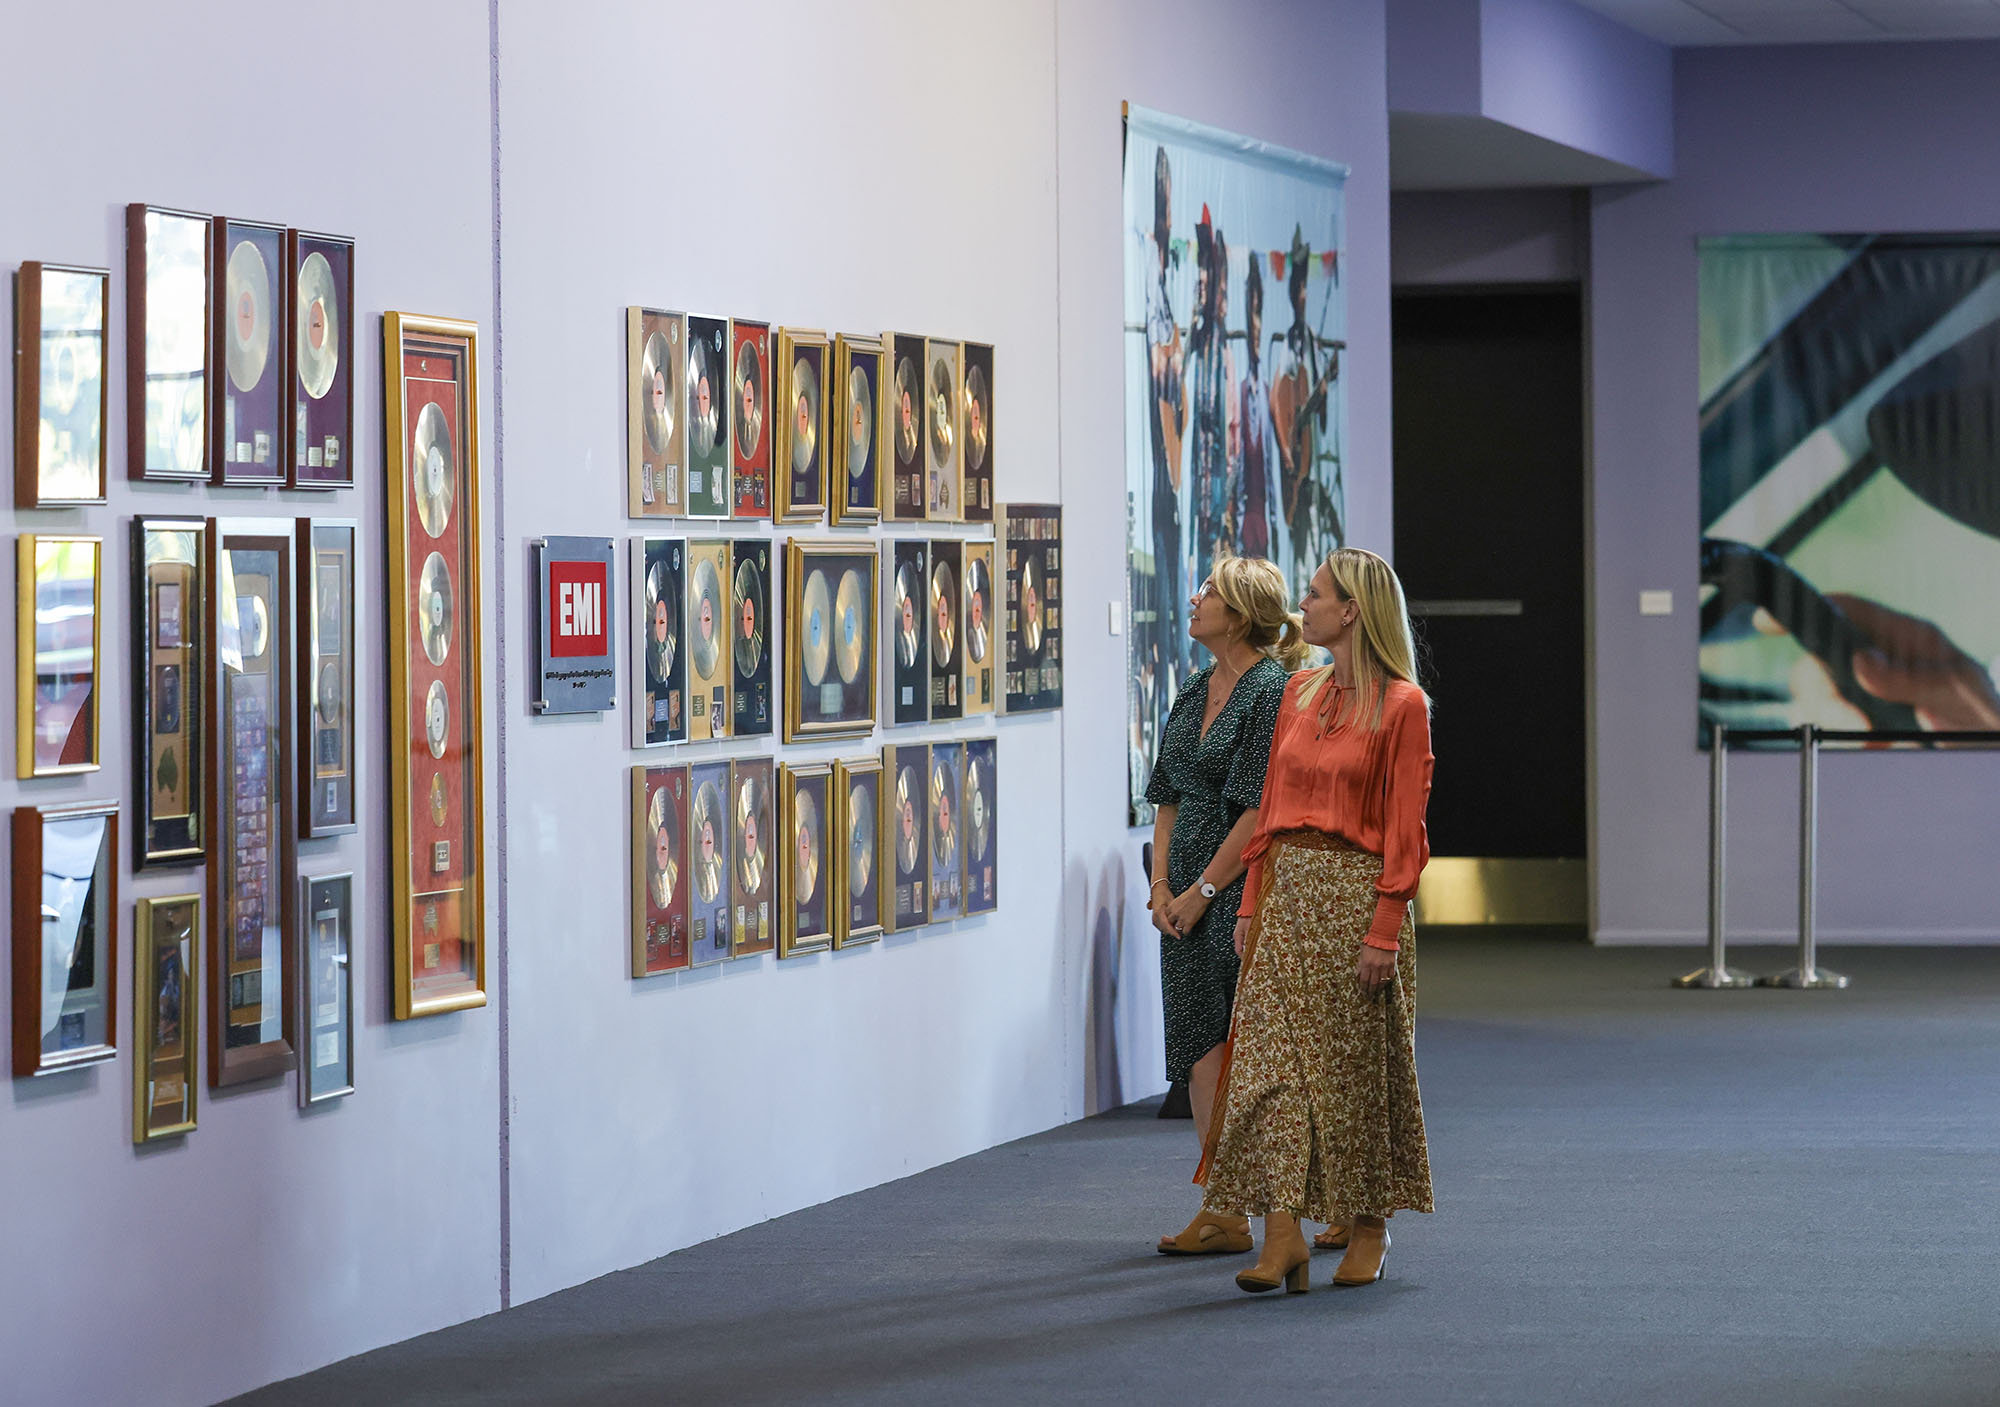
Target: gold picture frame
[
  {"x": 166, "y": 1016},
  {"x": 711, "y": 663},
  {"x": 655, "y": 407},
  {"x": 753, "y": 833},
  {"x": 859, "y": 822},
  {"x": 979, "y": 638},
  {"x": 799, "y": 400},
  {"x": 436, "y": 676},
  {"x": 805, "y": 871},
  {"x": 59, "y": 709},
  {"x": 831, "y": 623},
  {"x": 854, "y": 472}
]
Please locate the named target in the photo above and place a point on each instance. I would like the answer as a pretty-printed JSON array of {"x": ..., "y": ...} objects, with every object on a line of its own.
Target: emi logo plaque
[{"x": 574, "y": 672}]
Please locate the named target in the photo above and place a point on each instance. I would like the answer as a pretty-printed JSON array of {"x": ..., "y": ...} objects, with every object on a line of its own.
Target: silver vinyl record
[
  {"x": 749, "y": 397},
  {"x": 661, "y": 638},
  {"x": 1031, "y": 606},
  {"x": 805, "y": 414},
  {"x": 860, "y": 840},
  {"x": 435, "y": 608},
  {"x": 807, "y": 848},
  {"x": 909, "y": 821},
  {"x": 431, "y": 456},
  {"x": 815, "y": 627},
  {"x": 704, "y": 387},
  {"x": 247, "y": 290},
  {"x": 328, "y": 704},
  {"x": 318, "y": 350},
  {"x": 705, "y": 833},
  {"x": 943, "y": 398},
  {"x": 860, "y": 422},
  {"x": 978, "y": 810},
  {"x": 748, "y": 618},
  {"x": 909, "y": 410},
  {"x": 850, "y": 626},
  {"x": 253, "y": 627},
  {"x": 978, "y": 415},
  {"x": 656, "y": 386},
  {"x": 753, "y": 824},
  {"x": 666, "y": 868},
  {"x": 978, "y": 608},
  {"x": 705, "y": 627},
  {"x": 437, "y": 718},
  {"x": 944, "y": 612},
  {"x": 909, "y": 613},
  {"x": 944, "y": 816}
]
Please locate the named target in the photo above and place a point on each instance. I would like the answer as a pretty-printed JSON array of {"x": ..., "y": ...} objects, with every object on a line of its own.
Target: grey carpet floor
[{"x": 1644, "y": 1196}]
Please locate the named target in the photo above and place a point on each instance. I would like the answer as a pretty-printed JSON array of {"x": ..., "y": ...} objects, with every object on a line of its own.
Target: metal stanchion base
[
  {"x": 1719, "y": 978},
  {"x": 1804, "y": 979}
]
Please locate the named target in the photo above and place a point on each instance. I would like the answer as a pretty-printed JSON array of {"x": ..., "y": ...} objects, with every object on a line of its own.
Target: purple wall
[
  {"x": 1568, "y": 74},
  {"x": 1888, "y": 137}
]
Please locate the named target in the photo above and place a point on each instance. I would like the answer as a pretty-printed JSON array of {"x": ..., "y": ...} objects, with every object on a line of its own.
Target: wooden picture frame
[
  {"x": 805, "y": 871},
  {"x": 831, "y": 615},
  {"x": 62, "y": 381},
  {"x": 169, "y": 311},
  {"x": 660, "y": 873},
  {"x": 655, "y": 404},
  {"x": 320, "y": 316},
  {"x": 251, "y": 809},
  {"x": 905, "y": 841},
  {"x": 166, "y": 1016},
  {"x": 169, "y": 691},
  {"x": 437, "y": 677},
  {"x": 326, "y": 987},
  {"x": 752, "y": 845},
  {"x": 249, "y": 419},
  {"x": 855, "y": 851},
  {"x": 65, "y": 917},
  {"x": 798, "y": 432},
  {"x": 854, "y": 489},
  {"x": 59, "y": 706},
  {"x": 328, "y": 737}
]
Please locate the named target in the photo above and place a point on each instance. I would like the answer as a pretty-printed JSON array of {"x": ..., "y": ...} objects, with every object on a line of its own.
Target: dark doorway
[{"x": 1489, "y": 466}]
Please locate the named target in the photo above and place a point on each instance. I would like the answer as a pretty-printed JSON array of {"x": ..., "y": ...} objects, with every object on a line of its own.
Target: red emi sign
[{"x": 576, "y": 605}]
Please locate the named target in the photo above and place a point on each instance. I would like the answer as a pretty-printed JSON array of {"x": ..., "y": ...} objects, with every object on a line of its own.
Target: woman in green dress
[{"x": 1207, "y": 781}]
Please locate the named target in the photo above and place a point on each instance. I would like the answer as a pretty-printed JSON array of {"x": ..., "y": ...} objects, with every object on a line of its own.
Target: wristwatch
[{"x": 1207, "y": 890}]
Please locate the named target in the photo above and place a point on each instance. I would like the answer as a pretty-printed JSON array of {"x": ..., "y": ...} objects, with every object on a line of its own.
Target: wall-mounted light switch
[
  {"x": 1116, "y": 624},
  {"x": 1656, "y": 603}
]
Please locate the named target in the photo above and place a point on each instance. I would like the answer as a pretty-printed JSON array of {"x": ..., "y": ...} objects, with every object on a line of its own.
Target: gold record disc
[
  {"x": 705, "y": 627},
  {"x": 978, "y": 816},
  {"x": 978, "y": 606},
  {"x": 435, "y": 608},
  {"x": 860, "y": 840},
  {"x": 318, "y": 348},
  {"x": 247, "y": 288},
  {"x": 749, "y": 397},
  {"x": 657, "y": 388},
  {"x": 944, "y": 820},
  {"x": 909, "y": 825},
  {"x": 909, "y": 394},
  {"x": 749, "y": 617},
  {"x": 815, "y": 627},
  {"x": 705, "y": 823},
  {"x": 704, "y": 396},
  {"x": 661, "y": 638},
  {"x": 666, "y": 872},
  {"x": 978, "y": 412},
  {"x": 431, "y": 453},
  {"x": 942, "y": 398},
  {"x": 437, "y": 718},
  {"x": 753, "y": 820},
  {"x": 860, "y": 422},
  {"x": 805, "y": 415},
  {"x": 1031, "y": 607},
  {"x": 806, "y": 842},
  {"x": 909, "y": 612},
  {"x": 849, "y": 626},
  {"x": 329, "y": 693},
  {"x": 944, "y": 612}
]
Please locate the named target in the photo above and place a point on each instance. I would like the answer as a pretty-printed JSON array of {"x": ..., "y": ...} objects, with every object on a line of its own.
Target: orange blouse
[{"x": 1368, "y": 787}]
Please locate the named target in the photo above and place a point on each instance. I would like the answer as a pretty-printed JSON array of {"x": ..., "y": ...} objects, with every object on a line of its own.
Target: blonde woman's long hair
[
  {"x": 1384, "y": 648},
  {"x": 1255, "y": 590}
]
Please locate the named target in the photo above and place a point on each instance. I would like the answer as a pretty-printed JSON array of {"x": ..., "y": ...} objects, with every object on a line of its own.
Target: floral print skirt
[{"x": 1320, "y": 1112}]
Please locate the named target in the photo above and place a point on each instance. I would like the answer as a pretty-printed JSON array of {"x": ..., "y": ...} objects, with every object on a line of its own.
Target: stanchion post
[
  {"x": 1718, "y": 974},
  {"x": 1807, "y": 974}
]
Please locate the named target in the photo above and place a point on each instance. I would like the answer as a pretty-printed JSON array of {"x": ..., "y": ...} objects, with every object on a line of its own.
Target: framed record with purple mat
[
  {"x": 251, "y": 415},
  {"x": 320, "y": 334}
]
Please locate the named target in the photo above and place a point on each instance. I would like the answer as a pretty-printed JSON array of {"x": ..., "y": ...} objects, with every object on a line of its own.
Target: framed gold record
[
  {"x": 661, "y": 875},
  {"x": 830, "y": 634},
  {"x": 904, "y": 844},
  {"x": 320, "y": 318},
  {"x": 979, "y": 641},
  {"x": 944, "y": 792},
  {"x": 855, "y": 426},
  {"x": 711, "y": 657},
  {"x": 799, "y": 401},
  {"x": 753, "y": 839},
  {"x": 656, "y": 437},
  {"x": 975, "y": 418},
  {"x": 249, "y": 419},
  {"x": 436, "y": 676},
  {"x": 902, "y": 476},
  {"x": 944, "y": 448},
  {"x": 856, "y": 852},
  {"x": 805, "y": 863}
]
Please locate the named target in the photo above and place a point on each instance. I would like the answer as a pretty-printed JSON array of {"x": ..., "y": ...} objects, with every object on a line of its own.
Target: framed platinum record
[
  {"x": 659, "y": 639},
  {"x": 574, "y": 657}
]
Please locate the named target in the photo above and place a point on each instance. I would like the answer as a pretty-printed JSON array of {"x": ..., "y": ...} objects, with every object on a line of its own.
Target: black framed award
[
  {"x": 902, "y": 455},
  {"x": 906, "y": 631},
  {"x": 659, "y": 641},
  {"x": 944, "y": 623},
  {"x": 947, "y": 830},
  {"x": 975, "y": 423},
  {"x": 905, "y": 843},
  {"x": 1031, "y": 558},
  {"x": 980, "y": 824},
  {"x": 750, "y": 637},
  {"x": 707, "y": 414}
]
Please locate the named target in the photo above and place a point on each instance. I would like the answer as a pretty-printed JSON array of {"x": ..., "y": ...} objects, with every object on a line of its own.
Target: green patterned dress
[{"x": 1214, "y": 779}]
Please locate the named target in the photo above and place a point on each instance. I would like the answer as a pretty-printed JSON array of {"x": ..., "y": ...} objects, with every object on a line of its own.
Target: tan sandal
[
  {"x": 1209, "y": 1235},
  {"x": 1334, "y": 1238}
]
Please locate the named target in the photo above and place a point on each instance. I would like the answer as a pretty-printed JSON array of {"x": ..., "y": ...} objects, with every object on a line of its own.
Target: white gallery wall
[{"x": 943, "y": 168}]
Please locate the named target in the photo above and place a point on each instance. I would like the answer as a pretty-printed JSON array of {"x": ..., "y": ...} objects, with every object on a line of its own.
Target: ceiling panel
[{"x": 1685, "y": 22}]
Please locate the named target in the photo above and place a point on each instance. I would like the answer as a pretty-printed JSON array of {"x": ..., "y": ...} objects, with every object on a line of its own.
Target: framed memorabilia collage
[
  {"x": 166, "y": 1016},
  {"x": 1030, "y": 542},
  {"x": 170, "y": 681}
]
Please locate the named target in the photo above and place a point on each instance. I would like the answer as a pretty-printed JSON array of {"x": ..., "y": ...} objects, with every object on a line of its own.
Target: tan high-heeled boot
[
  {"x": 1209, "y": 1235},
  {"x": 1285, "y": 1260},
  {"x": 1367, "y": 1252}
]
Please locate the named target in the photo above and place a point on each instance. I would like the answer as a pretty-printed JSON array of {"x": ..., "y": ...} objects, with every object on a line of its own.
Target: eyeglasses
[{"x": 1202, "y": 592}]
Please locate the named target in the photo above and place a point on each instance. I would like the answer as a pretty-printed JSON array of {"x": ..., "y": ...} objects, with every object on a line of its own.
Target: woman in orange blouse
[{"x": 1320, "y": 1113}]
